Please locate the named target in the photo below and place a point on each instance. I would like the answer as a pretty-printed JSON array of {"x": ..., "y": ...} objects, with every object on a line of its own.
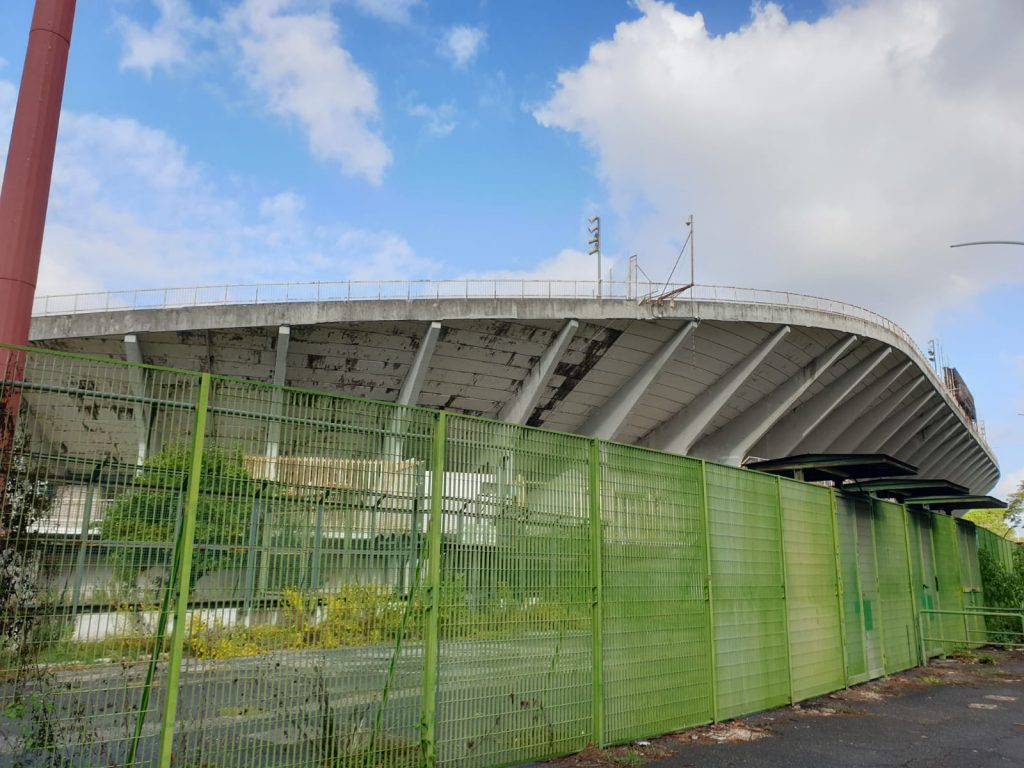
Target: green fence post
[
  {"x": 596, "y": 597},
  {"x": 435, "y": 525},
  {"x": 785, "y": 596},
  {"x": 910, "y": 579},
  {"x": 709, "y": 598},
  {"x": 875, "y": 514},
  {"x": 184, "y": 573},
  {"x": 840, "y": 590}
]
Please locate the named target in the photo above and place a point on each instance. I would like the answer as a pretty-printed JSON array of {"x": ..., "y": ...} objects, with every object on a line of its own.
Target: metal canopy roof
[
  {"x": 908, "y": 487},
  {"x": 951, "y": 502},
  {"x": 837, "y": 467}
]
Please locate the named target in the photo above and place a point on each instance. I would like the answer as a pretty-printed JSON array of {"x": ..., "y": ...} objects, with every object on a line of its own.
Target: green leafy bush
[
  {"x": 146, "y": 516},
  {"x": 1003, "y": 589}
]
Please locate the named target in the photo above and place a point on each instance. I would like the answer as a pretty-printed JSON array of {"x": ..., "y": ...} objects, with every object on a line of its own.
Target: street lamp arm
[{"x": 988, "y": 242}]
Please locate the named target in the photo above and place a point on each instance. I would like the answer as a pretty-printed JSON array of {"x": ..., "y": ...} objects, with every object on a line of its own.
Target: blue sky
[{"x": 824, "y": 147}]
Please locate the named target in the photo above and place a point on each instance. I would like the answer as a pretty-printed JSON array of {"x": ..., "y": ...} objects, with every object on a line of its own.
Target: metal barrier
[
  {"x": 199, "y": 570},
  {"x": 980, "y": 627}
]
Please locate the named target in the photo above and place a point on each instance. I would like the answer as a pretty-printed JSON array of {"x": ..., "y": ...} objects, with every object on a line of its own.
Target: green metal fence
[{"x": 204, "y": 571}]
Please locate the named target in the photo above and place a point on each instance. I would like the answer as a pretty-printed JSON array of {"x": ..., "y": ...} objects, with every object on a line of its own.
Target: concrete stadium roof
[{"x": 720, "y": 373}]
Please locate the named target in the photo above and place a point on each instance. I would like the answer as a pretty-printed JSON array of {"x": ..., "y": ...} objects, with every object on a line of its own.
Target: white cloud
[
  {"x": 165, "y": 44},
  {"x": 439, "y": 121},
  {"x": 129, "y": 209},
  {"x": 1008, "y": 483},
  {"x": 569, "y": 264},
  {"x": 283, "y": 205},
  {"x": 394, "y": 11},
  {"x": 295, "y": 61},
  {"x": 461, "y": 44},
  {"x": 289, "y": 52},
  {"x": 839, "y": 157}
]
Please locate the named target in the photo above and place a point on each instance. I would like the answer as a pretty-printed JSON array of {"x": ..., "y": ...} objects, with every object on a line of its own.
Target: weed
[{"x": 628, "y": 758}]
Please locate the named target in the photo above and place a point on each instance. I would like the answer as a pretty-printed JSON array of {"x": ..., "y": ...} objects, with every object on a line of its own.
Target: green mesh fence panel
[
  {"x": 867, "y": 576},
  {"x": 899, "y": 628},
  {"x": 856, "y": 658},
  {"x": 999, "y": 548},
  {"x": 305, "y": 612},
  {"x": 970, "y": 580},
  {"x": 312, "y": 580},
  {"x": 951, "y": 628},
  {"x": 812, "y": 589},
  {"x": 515, "y": 652},
  {"x": 927, "y": 587},
  {"x": 749, "y": 617},
  {"x": 657, "y": 675},
  {"x": 86, "y": 556}
]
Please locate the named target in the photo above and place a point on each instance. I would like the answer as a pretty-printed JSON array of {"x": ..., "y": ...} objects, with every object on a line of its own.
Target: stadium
[
  {"x": 727, "y": 374},
  {"x": 455, "y": 523}
]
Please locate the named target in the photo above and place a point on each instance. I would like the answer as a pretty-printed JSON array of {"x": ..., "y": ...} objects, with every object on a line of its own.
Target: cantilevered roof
[
  {"x": 722, "y": 373},
  {"x": 952, "y": 502},
  {"x": 908, "y": 487},
  {"x": 837, "y": 467}
]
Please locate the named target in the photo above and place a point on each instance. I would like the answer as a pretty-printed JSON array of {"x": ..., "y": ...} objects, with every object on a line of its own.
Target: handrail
[
  {"x": 469, "y": 288},
  {"x": 968, "y": 635}
]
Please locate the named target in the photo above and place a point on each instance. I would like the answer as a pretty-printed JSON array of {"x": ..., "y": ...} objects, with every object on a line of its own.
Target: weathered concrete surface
[
  {"x": 489, "y": 347},
  {"x": 948, "y": 715}
]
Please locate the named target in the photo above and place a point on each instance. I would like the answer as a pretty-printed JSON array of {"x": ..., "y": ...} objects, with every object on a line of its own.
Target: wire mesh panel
[
  {"x": 853, "y": 603},
  {"x": 515, "y": 622},
  {"x": 812, "y": 589},
  {"x": 749, "y": 617},
  {"x": 657, "y": 675},
  {"x": 87, "y": 539},
  {"x": 970, "y": 578},
  {"x": 306, "y": 599},
  {"x": 950, "y": 589},
  {"x": 896, "y": 601},
  {"x": 867, "y": 567}
]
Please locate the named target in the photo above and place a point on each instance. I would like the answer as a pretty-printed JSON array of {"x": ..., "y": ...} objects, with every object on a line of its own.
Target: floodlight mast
[
  {"x": 594, "y": 228},
  {"x": 26, "y": 191}
]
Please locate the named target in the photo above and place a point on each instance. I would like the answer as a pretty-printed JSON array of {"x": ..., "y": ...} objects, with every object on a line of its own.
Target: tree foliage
[
  {"x": 25, "y": 500},
  {"x": 147, "y": 515},
  {"x": 1005, "y": 523}
]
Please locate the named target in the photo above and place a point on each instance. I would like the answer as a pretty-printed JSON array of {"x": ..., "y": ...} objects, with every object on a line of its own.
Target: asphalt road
[
  {"x": 948, "y": 715},
  {"x": 497, "y": 701}
]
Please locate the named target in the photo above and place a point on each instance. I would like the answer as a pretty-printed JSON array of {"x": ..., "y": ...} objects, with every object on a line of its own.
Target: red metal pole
[
  {"x": 26, "y": 187},
  {"x": 25, "y": 192}
]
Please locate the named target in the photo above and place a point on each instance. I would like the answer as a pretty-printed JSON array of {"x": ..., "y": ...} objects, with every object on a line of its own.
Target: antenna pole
[
  {"x": 693, "y": 271},
  {"x": 594, "y": 228}
]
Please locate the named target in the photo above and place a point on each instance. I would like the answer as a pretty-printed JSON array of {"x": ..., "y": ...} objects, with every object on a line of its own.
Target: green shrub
[{"x": 146, "y": 515}]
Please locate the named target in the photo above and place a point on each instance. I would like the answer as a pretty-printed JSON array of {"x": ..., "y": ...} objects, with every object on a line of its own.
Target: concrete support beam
[
  {"x": 604, "y": 422},
  {"x": 840, "y": 420},
  {"x": 277, "y": 399},
  {"x": 951, "y": 460},
  {"x": 983, "y": 475},
  {"x": 731, "y": 443},
  {"x": 937, "y": 442},
  {"x": 678, "y": 434},
  {"x": 518, "y": 409},
  {"x": 866, "y": 430},
  {"x": 985, "y": 483},
  {"x": 973, "y": 468},
  {"x": 413, "y": 383},
  {"x": 142, "y": 413},
  {"x": 796, "y": 425},
  {"x": 910, "y": 426}
]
